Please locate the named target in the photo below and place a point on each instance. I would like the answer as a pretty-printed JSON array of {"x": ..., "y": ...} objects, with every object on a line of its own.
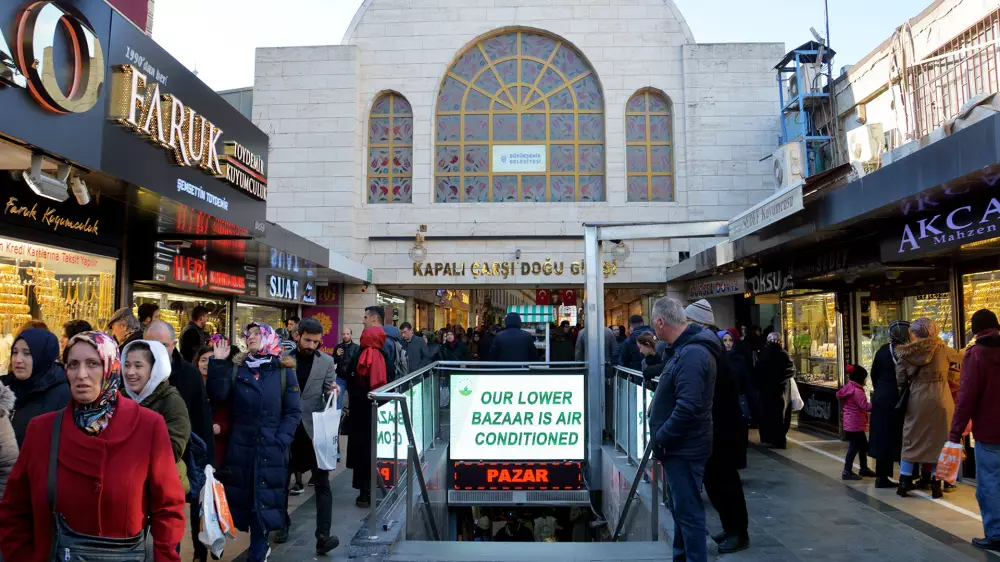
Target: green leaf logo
[{"x": 465, "y": 387}]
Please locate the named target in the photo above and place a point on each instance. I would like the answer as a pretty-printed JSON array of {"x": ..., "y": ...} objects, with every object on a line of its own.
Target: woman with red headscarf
[{"x": 367, "y": 374}]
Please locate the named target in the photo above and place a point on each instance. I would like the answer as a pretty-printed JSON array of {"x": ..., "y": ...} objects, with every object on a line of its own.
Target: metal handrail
[
  {"x": 639, "y": 475},
  {"x": 412, "y": 460}
]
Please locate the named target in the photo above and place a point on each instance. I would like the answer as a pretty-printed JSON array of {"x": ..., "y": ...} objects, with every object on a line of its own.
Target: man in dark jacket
[
  {"x": 680, "y": 420},
  {"x": 343, "y": 356},
  {"x": 561, "y": 345},
  {"x": 193, "y": 336},
  {"x": 417, "y": 356},
  {"x": 512, "y": 344},
  {"x": 629, "y": 355},
  {"x": 184, "y": 376},
  {"x": 978, "y": 396}
]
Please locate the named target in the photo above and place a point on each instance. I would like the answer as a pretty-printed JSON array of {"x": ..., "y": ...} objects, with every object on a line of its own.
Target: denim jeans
[
  {"x": 988, "y": 487},
  {"x": 340, "y": 397},
  {"x": 684, "y": 478},
  {"x": 907, "y": 468},
  {"x": 260, "y": 540}
]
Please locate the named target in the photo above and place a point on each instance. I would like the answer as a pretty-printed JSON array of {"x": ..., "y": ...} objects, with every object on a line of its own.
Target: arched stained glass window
[
  {"x": 649, "y": 147},
  {"x": 520, "y": 117},
  {"x": 390, "y": 150}
]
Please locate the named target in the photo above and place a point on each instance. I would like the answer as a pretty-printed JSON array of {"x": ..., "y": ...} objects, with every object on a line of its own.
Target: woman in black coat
[
  {"x": 38, "y": 381},
  {"x": 886, "y": 434},
  {"x": 452, "y": 349},
  {"x": 773, "y": 375}
]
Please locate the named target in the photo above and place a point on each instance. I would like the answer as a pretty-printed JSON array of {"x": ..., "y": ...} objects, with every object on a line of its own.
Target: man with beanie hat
[
  {"x": 700, "y": 312},
  {"x": 978, "y": 396}
]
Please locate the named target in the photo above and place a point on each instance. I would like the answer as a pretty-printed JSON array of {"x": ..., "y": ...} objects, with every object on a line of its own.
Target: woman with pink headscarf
[{"x": 262, "y": 391}]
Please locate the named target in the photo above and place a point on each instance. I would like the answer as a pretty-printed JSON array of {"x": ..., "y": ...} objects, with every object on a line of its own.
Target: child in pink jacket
[{"x": 856, "y": 412}]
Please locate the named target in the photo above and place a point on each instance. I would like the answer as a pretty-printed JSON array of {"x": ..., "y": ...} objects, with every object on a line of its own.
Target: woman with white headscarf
[{"x": 146, "y": 368}]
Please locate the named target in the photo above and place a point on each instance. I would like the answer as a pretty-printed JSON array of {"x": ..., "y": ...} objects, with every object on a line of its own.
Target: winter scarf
[
  {"x": 270, "y": 345},
  {"x": 94, "y": 417},
  {"x": 371, "y": 363},
  {"x": 160, "y": 369}
]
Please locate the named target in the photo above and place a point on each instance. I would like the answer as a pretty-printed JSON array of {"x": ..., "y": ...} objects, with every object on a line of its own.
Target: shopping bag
[
  {"x": 326, "y": 433},
  {"x": 211, "y": 534},
  {"x": 796, "y": 401},
  {"x": 949, "y": 462}
]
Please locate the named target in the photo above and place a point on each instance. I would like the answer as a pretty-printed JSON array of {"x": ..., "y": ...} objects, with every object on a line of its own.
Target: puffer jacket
[
  {"x": 512, "y": 344},
  {"x": 630, "y": 356},
  {"x": 264, "y": 424},
  {"x": 8, "y": 444},
  {"x": 856, "y": 407},
  {"x": 680, "y": 417}
]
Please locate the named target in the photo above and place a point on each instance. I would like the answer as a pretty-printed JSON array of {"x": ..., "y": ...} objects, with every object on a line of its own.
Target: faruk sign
[
  {"x": 947, "y": 229},
  {"x": 717, "y": 287},
  {"x": 768, "y": 211}
]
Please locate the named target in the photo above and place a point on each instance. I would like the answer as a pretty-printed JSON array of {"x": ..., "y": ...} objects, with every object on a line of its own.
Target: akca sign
[{"x": 954, "y": 227}]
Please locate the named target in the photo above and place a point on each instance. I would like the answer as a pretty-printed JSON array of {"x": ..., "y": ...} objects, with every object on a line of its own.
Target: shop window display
[
  {"x": 936, "y": 307},
  {"x": 979, "y": 290},
  {"x": 52, "y": 285},
  {"x": 246, "y": 313},
  {"x": 175, "y": 309},
  {"x": 810, "y": 324},
  {"x": 874, "y": 318}
]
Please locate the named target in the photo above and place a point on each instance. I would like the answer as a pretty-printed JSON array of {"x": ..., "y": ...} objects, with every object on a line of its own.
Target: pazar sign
[
  {"x": 517, "y": 417},
  {"x": 505, "y": 269}
]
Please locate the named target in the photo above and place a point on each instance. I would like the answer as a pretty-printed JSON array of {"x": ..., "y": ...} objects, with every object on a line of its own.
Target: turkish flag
[
  {"x": 569, "y": 297},
  {"x": 542, "y": 296}
]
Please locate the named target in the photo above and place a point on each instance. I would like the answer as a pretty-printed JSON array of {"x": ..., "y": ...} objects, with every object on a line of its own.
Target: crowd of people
[
  {"x": 713, "y": 385},
  {"x": 108, "y": 433}
]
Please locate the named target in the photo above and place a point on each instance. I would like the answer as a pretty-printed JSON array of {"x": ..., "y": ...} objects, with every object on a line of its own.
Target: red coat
[
  {"x": 979, "y": 393},
  {"x": 104, "y": 485}
]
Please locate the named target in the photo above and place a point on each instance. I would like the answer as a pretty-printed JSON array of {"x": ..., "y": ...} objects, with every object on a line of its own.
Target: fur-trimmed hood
[
  {"x": 919, "y": 352},
  {"x": 286, "y": 360},
  {"x": 6, "y": 400}
]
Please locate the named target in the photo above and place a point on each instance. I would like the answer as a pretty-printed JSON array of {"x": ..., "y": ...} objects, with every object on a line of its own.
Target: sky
[{"x": 218, "y": 37}]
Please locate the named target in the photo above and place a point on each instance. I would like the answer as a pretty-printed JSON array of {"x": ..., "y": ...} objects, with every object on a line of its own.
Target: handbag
[{"x": 71, "y": 546}]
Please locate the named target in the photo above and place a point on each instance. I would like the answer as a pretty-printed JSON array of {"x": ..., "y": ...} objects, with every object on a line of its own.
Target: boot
[
  {"x": 885, "y": 482},
  {"x": 867, "y": 472},
  {"x": 718, "y": 538},
  {"x": 936, "y": 492},
  {"x": 905, "y": 485},
  {"x": 925, "y": 481},
  {"x": 734, "y": 543},
  {"x": 326, "y": 543}
]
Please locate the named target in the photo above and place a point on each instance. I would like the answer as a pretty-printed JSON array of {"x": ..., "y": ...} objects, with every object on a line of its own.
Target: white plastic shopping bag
[
  {"x": 797, "y": 403},
  {"x": 326, "y": 433},
  {"x": 211, "y": 534}
]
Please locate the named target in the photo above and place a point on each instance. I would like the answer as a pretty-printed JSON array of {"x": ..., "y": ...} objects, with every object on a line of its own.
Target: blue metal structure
[{"x": 797, "y": 113}]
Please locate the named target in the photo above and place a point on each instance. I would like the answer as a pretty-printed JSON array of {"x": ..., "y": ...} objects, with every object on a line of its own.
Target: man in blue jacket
[
  {"x": 629, "y": 354},
  {"x": 680, "y": 419}
]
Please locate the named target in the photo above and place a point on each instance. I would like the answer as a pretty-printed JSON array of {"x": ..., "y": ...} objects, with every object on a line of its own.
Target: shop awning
[{"x": 534, "y": 314}]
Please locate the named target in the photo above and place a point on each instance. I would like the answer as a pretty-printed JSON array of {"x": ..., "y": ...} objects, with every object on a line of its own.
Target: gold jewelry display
[{"x": 810, "y": 324}]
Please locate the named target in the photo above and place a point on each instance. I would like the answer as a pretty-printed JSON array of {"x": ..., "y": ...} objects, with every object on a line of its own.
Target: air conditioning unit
[
  {"x": 789, "y": 165},
  {"x": 866, "y": 143},
  {"x": 810, "y": 84}
]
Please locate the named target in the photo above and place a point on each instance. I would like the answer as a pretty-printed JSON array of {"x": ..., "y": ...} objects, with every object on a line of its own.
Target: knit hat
[
  {"x": 984, "y": 319},
  {"x": 700, "y": 312}
]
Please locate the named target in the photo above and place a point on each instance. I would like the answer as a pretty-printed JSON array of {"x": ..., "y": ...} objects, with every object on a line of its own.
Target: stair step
[{"x": 426, "y": 551}]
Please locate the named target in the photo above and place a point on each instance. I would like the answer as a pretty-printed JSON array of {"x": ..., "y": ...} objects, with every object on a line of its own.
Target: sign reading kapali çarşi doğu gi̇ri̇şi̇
[
  {"x": 519, "y": 158},
  {"x": 517, "y": 417}
]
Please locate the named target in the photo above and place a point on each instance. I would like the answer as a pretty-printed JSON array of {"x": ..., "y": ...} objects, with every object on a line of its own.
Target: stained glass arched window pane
[
  {"x": 519, "y": 89},
  {"x": 390, "y": 150},
  {"x": 649, "y": 147}
]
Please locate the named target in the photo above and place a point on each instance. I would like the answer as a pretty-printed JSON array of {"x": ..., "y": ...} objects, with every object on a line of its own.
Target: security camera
[
  {"x": 45, "y": 185},
  {"x": 365, "y": 288},
  {"x": 79, "y": 190}
]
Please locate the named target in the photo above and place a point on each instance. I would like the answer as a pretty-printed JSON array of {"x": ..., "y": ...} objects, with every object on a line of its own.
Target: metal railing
[
  {"x": 632, "y": 396},
  {"x": 415, "y": 400}
]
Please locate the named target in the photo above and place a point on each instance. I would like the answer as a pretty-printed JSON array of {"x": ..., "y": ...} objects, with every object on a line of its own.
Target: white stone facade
[{"x": 314, "y": 103}]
